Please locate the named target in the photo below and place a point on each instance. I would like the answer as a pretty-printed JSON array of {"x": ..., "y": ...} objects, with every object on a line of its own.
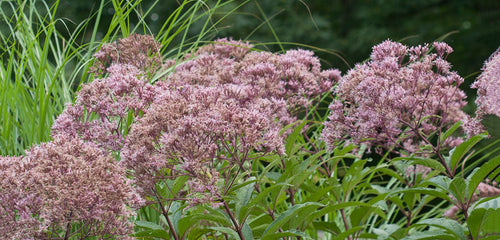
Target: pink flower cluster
[
  {"x": 62, "y": 184},
  {"x": 102, "y": 107},
  {"x": 218, "y": 106},
  {"x": 294, "y": 76},
  {"x": 488, "y": 87},
  {"x": 75, "y": 179},
  {"x": 399, "y": 96},
  {"x": 140, "y": 51},
  {"x": 16, "y": 205}
]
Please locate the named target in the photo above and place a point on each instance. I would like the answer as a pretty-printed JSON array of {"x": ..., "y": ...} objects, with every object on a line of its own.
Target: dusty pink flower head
[
  {"x": 488, "y": 87},
  {"x": 141, "y": 51},
  {"x": 78, "y": 183},
  {"x": 226, "y": 48},
  {"x": 295, "y": 76},
  {"x": 18, "y": 208},
  {"x": 399, "y": 92},
  {"x": 102, "y": 107},
  {"x": 191, "y": 129},
  {"x": 218, "y": 106}
]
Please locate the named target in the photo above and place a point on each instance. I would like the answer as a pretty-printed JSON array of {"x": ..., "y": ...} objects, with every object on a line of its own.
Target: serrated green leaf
[
  {"x": 441, "y": 182},
  {"x": 458, "y": 188},
  {"x": 450, "y": 225},
  {"x": 330, "y": 227},
  {"x": 385, "y": 231},
  {"x": 484, "y": 218},
  {"x": 428, "y": 162},
  {"x": 475, "y": 221},
  {"x": 430, "y": 235},
  {"x": 410, "y": 199},
  {"x": 175, "y": 215}
]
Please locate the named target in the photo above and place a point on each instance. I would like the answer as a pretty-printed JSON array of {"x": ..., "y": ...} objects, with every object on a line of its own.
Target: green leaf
[
  {"x": 157, "y": 233},
  {"x": 330, "y": 227},
  {"x": 484, "y": 218},
  {"x": 291, "y": 213},
  {"x": 289, "y": 233},
  {"x": 226, "y": 230},
  {"x": 245, "y": 209},
  {"x": 389, "y": 231},
  {"x": 450, "y": 131},
  {"x": 360, "y": 214},
  {"x": 178, "y": 184},
  {"x": 243, "y": 195},
  {"x": 451, "y": 226},
  {"x": 292, "y": 138},
  {"x": 148, "y": 225},
  {"x": 458, "y": 153},
  {"x": 345, "y": 234},
  {"x": 479, "y": 174},
  {"x": 410, "y": 199},
  {"x": 175, "y": 215},
  {"x": 247, "y": 231},
  {"x": 458, "y": 188},
  {"x": 259, "y": 224},
  {"x": 428, "y": 162},
  {"x": 428, "y": 191},
  {"x": 442, "y": 182},
  {"x": 430, "y": 235},
  {"x": 475, "y": 221}
]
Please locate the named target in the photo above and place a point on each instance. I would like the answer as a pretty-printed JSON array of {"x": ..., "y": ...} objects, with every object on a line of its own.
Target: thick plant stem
[
  {"x": 235, "y": 223},
  {"x": 345, "y": 222},
  {"x": 165, "y": 214}
]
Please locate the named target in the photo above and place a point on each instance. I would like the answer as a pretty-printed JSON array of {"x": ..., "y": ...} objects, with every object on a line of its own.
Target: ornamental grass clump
[{"x": 397, "y": 99}]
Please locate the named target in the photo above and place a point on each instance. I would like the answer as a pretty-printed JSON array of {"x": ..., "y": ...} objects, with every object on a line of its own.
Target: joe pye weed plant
[{"x": 222, "y": 140}]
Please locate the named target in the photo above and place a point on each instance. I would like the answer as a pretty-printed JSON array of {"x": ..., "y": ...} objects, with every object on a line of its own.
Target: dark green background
[{"x": 348, "y": 27}]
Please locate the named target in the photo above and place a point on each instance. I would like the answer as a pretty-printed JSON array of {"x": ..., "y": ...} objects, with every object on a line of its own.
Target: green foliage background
[{"x": 349, "y": 27}]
